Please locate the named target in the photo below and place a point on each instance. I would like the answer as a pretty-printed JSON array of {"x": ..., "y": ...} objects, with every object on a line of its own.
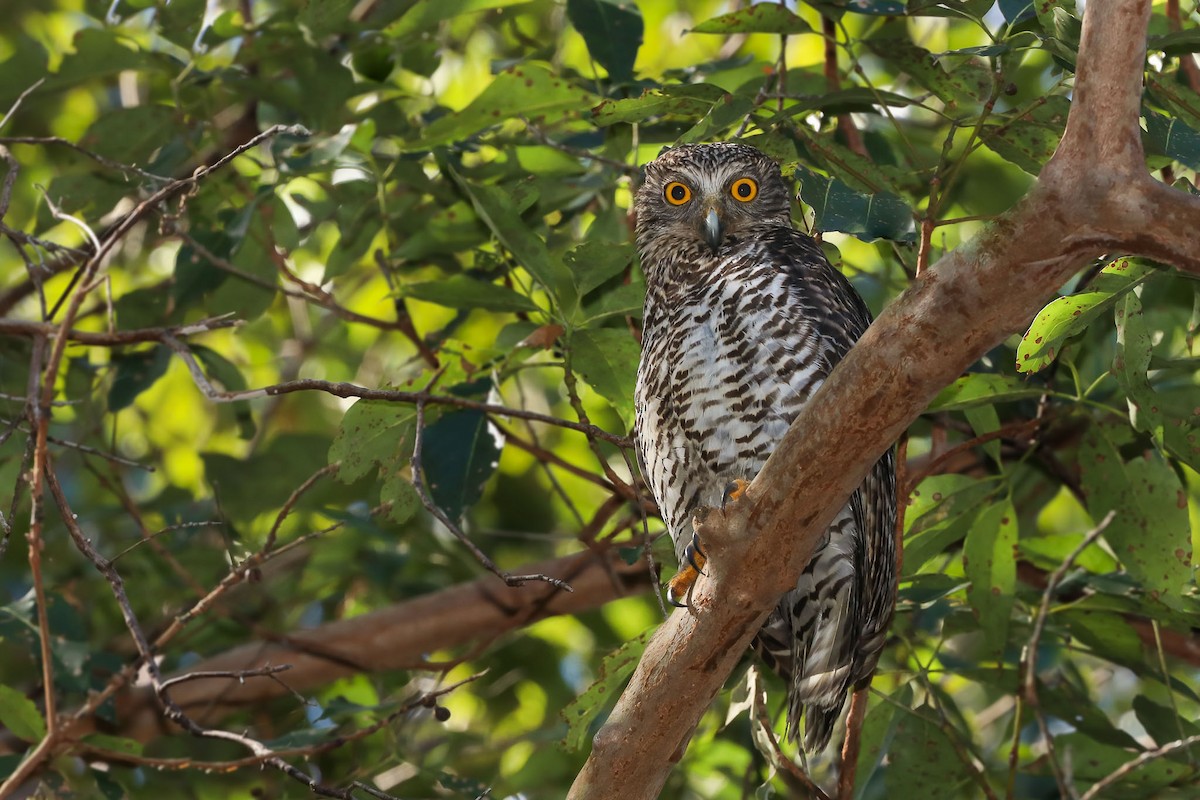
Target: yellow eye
[
  {"x": 677, "y": 194},
  {"x": 744, "y": 189}
]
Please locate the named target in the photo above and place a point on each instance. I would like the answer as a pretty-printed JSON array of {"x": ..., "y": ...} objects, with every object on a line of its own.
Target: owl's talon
[
  {"x": 679, "y": 588},
  {"x": 733, "y": 491},
  {"x": 693, "y": 552}
]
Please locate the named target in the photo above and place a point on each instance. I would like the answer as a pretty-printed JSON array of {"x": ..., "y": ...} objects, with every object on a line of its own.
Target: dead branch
[{"x": 1095, "y": 196}]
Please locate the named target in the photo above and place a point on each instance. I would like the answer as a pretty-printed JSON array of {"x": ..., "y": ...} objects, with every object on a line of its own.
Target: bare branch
[{"x": 1131, "y": 765}]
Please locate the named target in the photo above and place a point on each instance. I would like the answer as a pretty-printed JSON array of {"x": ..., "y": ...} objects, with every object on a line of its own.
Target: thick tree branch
[
  {"x": 1095, "y": 196},
  {"x": 395, "y": 637}
]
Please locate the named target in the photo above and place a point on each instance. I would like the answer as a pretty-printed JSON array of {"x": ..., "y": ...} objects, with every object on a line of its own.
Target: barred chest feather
[{"x": 726, "y": 366}]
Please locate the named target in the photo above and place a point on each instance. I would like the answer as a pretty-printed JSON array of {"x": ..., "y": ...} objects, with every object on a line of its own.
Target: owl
[{"x": 744, "y": 319}]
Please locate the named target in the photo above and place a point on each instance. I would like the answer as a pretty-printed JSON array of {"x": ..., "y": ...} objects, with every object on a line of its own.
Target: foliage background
[{"x": 446, "y": 206}]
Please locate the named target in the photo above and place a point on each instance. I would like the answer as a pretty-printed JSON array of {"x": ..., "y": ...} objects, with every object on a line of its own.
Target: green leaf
[
  {"x": 607, "y": 358},
  {"x": 424, "y": 15},
  {"x": 1093, "y": 760},
  {"x": 98, "y": 54},
  {"x": 117, "y": 744},
  {"x": 1150, "y": 532},
  {"x": 1176, "y": 43},
  {"x": 1130, "y": 364},
  {"x": 1162, "y": 723},
  {"x": 1173, "y": 138},
  {"x": 224, "y": 373},
  {"x": 20, "y": 715},
  {"x": 130, "y": 135},
  {"x": 968, "y": 83},
  {"x": 398, "y": 490},
  {"x": 498, "y": 211},
  {"x": 612, "y": 30},
  {"x": 594, "y": 263},
  {"x": 616, "y": 667},
  {"x": 837, "y": 207},
  {"x": 528, "y": 90},
  {"x": 374, "y": 434},
  {"x": 459, "y": 454},
  {"x": 688, "y": 101},
  {"x": 1067, "y": 316},
  {"x": 266, "y": 478},
  {"x": 758, "y": 18},
  {"x": 989, "y": 561},
  {"x": 460, "y": 291},
  {"x": 977, "y": 389},
  {"x": 922, "y": 761},
  {"x": 135, "y": 373},
  {"x": 1030, "y": 140}
]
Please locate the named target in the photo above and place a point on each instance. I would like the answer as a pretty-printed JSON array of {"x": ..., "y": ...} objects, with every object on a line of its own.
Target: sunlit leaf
[
  {"x": 616, "y": 667},
  {"x": 20, "y": 715},
  {"x": 607, "y": 359},
  {"x": 989, "y": 560},
  {"x": 1067, "y": 316},
  {"x": 757, "y": 18},
  {"x": 459, "y": 291},
  {"x": 529, "y": 90}
]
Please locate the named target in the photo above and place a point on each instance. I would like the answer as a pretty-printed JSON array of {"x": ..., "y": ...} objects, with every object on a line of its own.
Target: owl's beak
[{"x": 712, "y": 230}]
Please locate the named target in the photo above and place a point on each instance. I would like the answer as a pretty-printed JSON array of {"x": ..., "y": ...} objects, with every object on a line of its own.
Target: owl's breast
[{"x": 722, "y": 376}]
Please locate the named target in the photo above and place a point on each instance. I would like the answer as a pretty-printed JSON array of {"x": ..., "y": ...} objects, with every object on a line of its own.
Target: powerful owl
[{"x": 744, "y": 319}]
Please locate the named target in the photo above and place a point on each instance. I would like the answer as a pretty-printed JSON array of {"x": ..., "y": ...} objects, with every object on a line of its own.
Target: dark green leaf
[
  {"x": 837, "y": 207},
  {"x": 968, "y": 83},
  {"x": 1164, "y": 724},
  {"x": 1174, "y": 139},
  {"x": 224, "y": 373},
  {"x": 459, "y": 453},
  {"x": 134, "y": 373},
  {"x": 459, "y": 291},
  {"x": 1176, "y": 43},
  {"x": 613, "y": 32}
]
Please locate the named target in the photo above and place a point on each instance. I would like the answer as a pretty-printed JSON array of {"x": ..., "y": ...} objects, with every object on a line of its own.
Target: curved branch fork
[{"x": 1094, "y": 197}]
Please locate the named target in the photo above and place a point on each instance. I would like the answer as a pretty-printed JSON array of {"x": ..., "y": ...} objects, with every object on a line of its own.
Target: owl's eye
[
  {"x": 677, "y": 193},
  {"x": 744, "y": 189}
]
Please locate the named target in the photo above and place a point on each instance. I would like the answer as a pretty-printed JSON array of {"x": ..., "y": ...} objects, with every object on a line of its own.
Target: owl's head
[{"x": 704, "y": 195}]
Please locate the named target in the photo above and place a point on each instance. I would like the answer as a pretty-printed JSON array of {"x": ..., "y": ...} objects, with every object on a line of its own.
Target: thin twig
[
  {"x": 20, "y": 99},
  {"x": 1029, "y": 652},
  {"x": 1130, "y": 766},
  {"x": 433, "y": 508},
  {"x": 351, "y": 390}
]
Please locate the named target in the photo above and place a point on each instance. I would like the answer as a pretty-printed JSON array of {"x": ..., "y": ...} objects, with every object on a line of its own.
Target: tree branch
[
  {"x": 1094, "y": 196},
  {"x": 396, "y": 637}
]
